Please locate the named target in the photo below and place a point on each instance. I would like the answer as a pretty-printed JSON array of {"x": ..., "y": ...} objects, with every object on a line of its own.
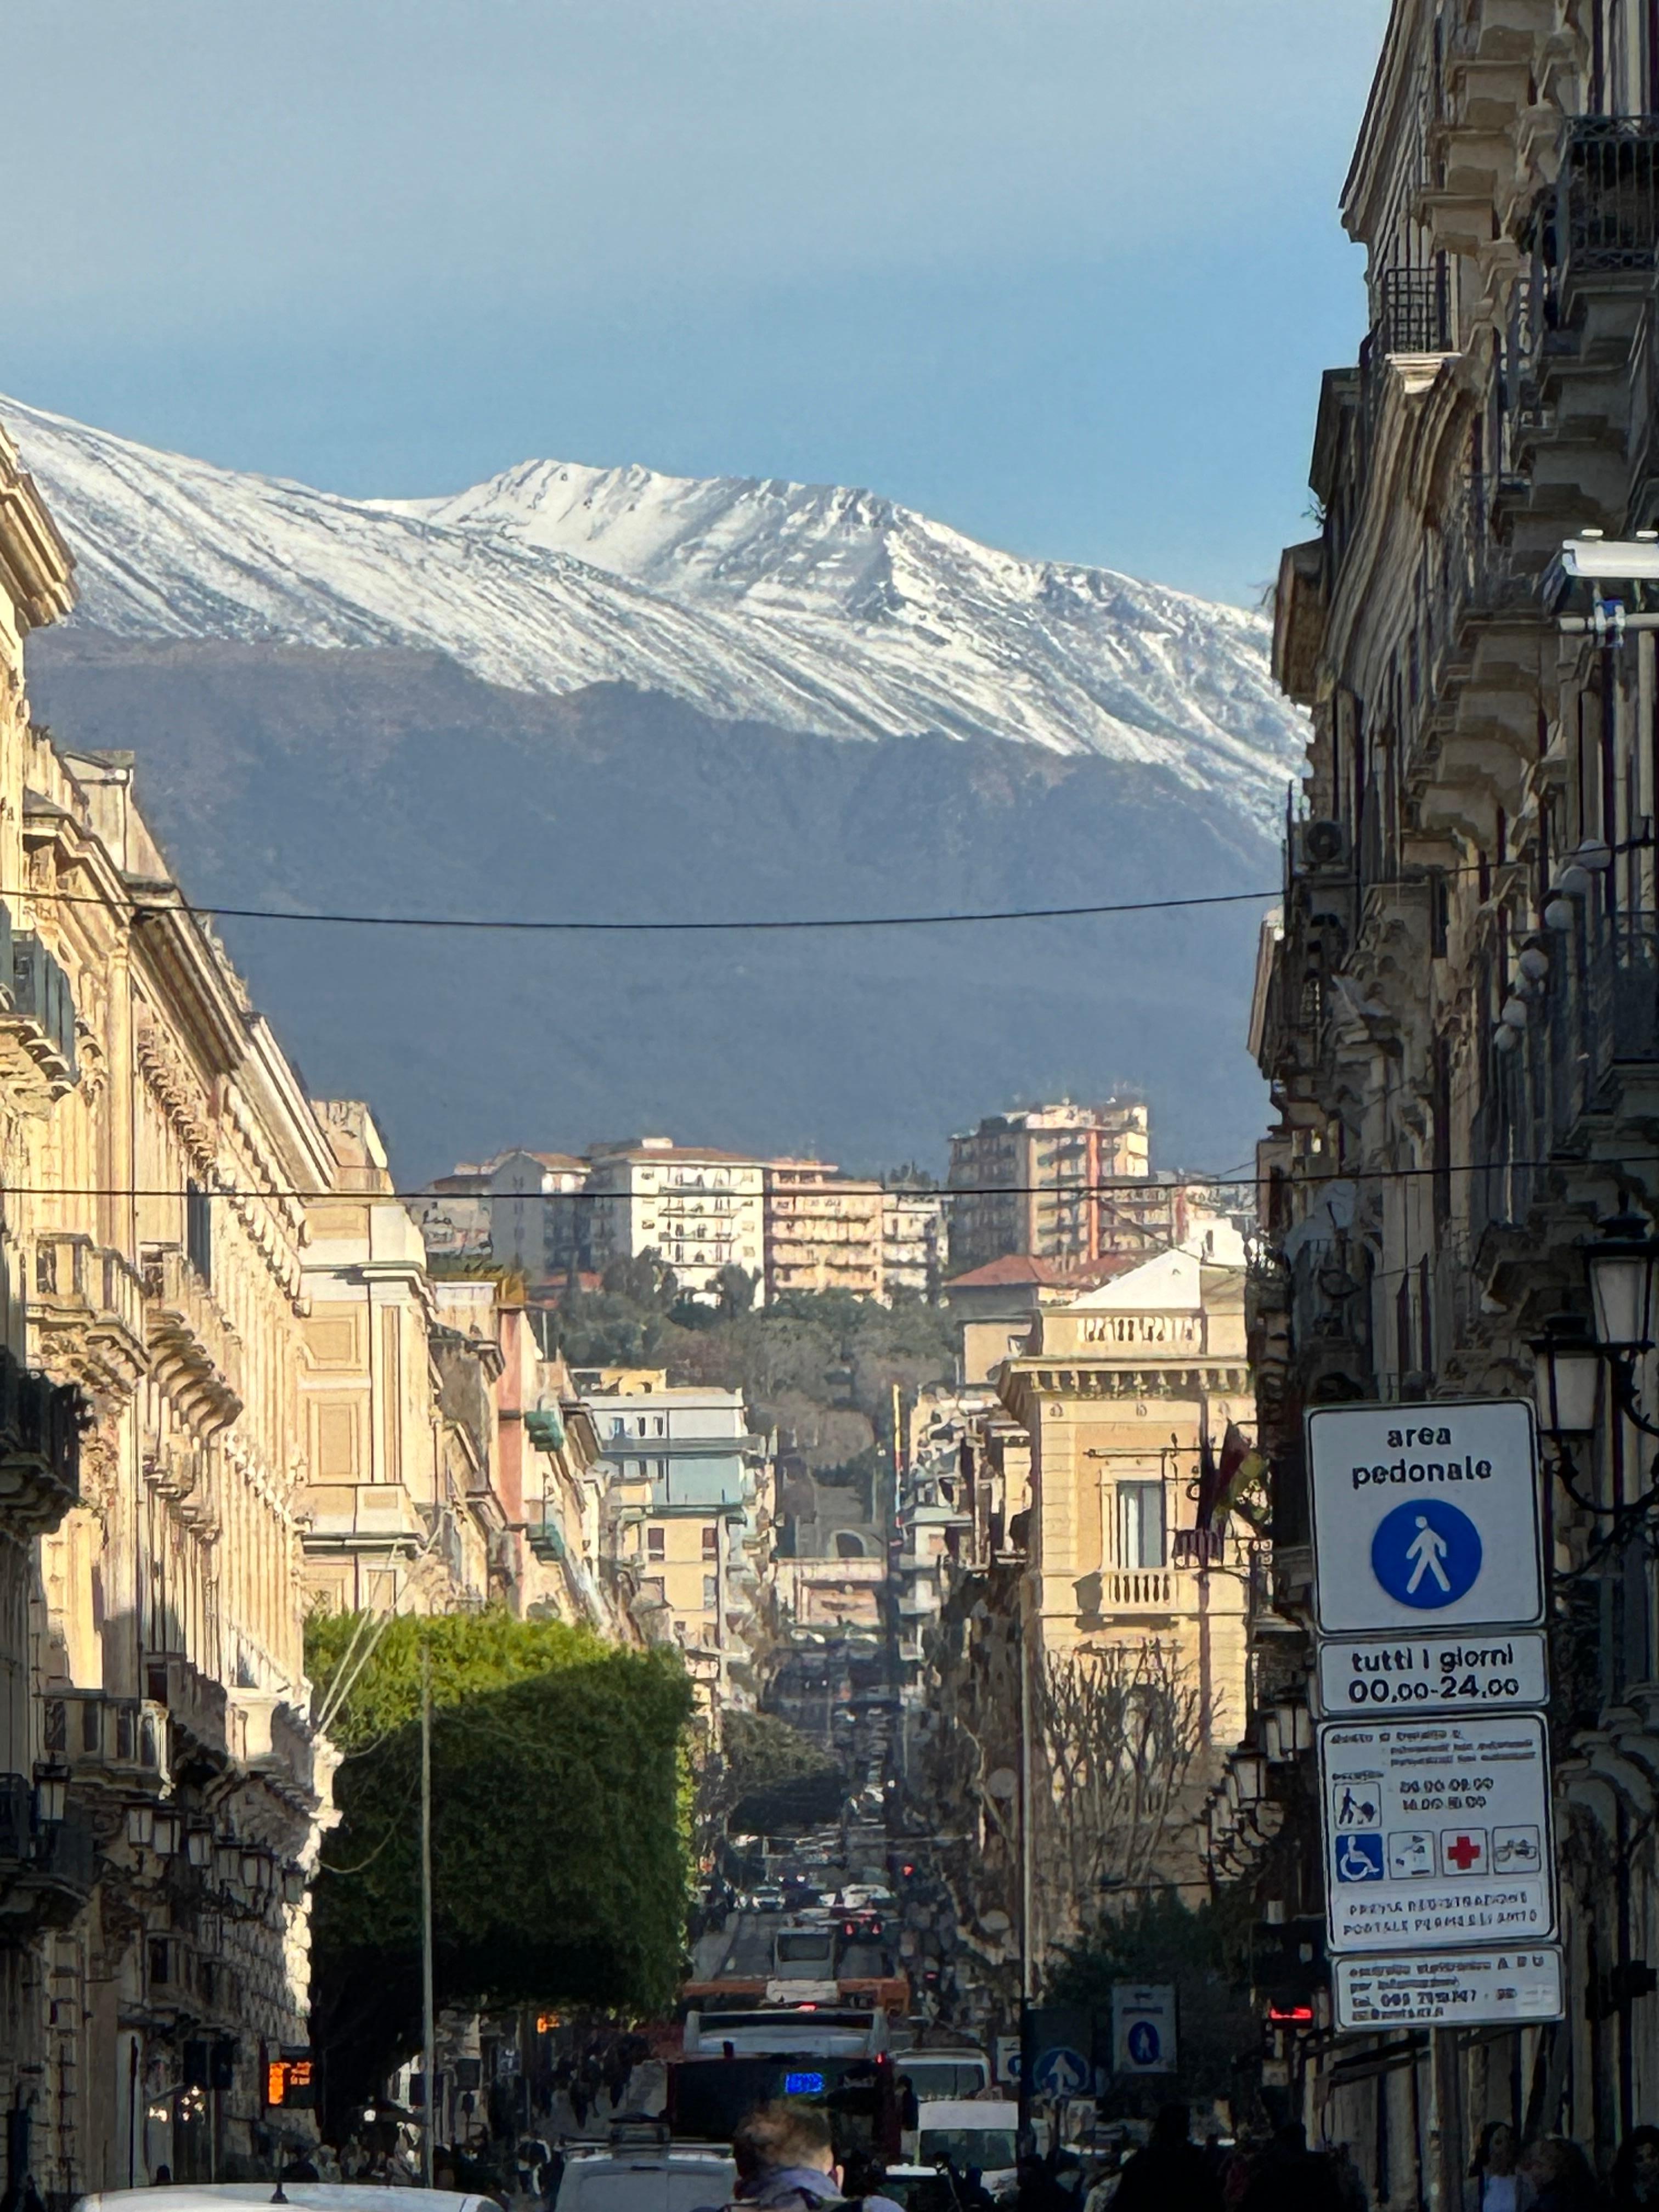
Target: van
[
  {"x": 644, "y": 2177},
  {"x": 312, "y": 2195},
  {"x": 935, "y": 2074},
  {"x": 976, "y": 2131},
  {"x": 804, "y": 1955}
]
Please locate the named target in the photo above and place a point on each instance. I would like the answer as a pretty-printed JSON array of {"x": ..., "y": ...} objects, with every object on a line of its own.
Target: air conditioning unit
[{"x": 1321, "y": 845}]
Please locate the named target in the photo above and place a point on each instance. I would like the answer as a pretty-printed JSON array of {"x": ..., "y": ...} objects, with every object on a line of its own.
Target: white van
[
  {"x": 645, "y": 2177},
  {"x": 977, "y": 2131},
  {"x": 314, "y": 2195},
  {"x": 938, "y": 2073}
]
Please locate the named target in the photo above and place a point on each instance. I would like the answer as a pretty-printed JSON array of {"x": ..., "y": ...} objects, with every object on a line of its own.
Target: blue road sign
[
  {"x": 1427, "y": 1553},
  {"x": 1360, "y": 1858},
  {"x": 1062, "y": 2074},
  {"x": 1143, "y": 2043}
]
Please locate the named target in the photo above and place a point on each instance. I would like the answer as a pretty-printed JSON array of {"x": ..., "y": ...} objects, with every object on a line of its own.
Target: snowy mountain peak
[{"x": 810, "y": 607}]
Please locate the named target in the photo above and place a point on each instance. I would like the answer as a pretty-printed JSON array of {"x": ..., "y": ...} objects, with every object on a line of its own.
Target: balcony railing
[
  {"x": 1600, "y": 1010},
  {"x": 1608, "y": 195},
  {"x": 121, "y": 1739},
  {"x": 40, "y": 1426}
]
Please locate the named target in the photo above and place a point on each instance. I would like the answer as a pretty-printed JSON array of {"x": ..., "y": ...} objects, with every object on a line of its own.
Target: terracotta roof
[
  {"x": 1012, "y": 1268},
  {"x": 1093, "y": 1271}
]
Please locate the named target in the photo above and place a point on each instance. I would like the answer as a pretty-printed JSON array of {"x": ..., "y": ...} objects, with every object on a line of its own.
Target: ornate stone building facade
[
  {"x": 162, "y": 1786},
  {"x": 1458, "y": 1009}
]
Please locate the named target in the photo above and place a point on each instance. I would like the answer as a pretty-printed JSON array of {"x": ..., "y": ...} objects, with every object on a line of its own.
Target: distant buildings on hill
[{"x": 1069, "y": 1188}]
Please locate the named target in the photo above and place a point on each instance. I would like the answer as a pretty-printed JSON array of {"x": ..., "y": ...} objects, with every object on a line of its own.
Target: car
[
  {"x": 768, "y": 1898},
  {"x": 645, "y": 2177}
]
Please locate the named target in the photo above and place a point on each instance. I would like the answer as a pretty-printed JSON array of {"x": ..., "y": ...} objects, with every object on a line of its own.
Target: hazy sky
[{"x": 1062, "y": 272}]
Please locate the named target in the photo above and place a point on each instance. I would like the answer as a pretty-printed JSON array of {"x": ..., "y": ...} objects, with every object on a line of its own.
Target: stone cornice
[{"x": 36, "y": 566}]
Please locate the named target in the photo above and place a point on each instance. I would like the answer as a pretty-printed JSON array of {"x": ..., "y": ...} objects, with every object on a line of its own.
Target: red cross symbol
[{"x": 1463, "y": 1853}]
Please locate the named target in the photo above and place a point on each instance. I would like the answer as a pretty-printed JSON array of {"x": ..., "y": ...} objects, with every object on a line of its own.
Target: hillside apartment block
[{"x": 791, "y": 1224}]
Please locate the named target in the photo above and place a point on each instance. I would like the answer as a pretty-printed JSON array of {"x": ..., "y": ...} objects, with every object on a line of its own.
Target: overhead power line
[
  {"x": 141, "y": 908},
  {"x": 1230, "y": 1178}
]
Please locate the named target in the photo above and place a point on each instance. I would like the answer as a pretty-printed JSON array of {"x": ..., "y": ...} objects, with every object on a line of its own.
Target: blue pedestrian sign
[
  {"x": 1427, "y": 1553},
  {"x": 1425, "y": 1516},
  {"x": 1143, "y": 2028},
  {"x": 1062, "y": 2073}
]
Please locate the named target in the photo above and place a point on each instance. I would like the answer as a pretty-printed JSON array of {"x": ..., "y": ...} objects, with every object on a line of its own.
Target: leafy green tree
[
  {"x": 559, "y": 1852},
  {"x": 734, "y": 1291}
]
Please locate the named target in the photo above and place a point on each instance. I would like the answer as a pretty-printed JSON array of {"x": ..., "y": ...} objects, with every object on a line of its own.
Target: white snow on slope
[{"x": 807, "y": 606}]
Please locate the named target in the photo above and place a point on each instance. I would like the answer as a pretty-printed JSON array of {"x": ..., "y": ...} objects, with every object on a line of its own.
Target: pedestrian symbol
[
  {"x": 1144, "y": 2046},
  {"x": 1360, "y": 1858},
  {"x": 1427, "y": 1553}
]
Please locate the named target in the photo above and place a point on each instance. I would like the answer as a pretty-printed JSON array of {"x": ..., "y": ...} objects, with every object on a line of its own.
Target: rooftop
[{"x": 1012, "y": 1268}]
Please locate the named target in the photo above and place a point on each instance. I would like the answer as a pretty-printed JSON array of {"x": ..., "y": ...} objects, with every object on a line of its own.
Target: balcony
[
  {"x": 196, "y": 1705},
  {"x": 122, "y": 1741},
  {"x": 88, "y": 1312},
  {"x": 1594, "y": 1029},
  {"x": 196, "y": 1355},
  {"x": 40, "y": 1426},
  {"x": 1607, "y": 197},
  {"x": 46, "y": 1868},
  {"x": 37, "y": 1022}
]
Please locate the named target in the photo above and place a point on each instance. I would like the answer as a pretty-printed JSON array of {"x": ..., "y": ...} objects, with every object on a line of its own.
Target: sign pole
[{"x": 429, "y": 2024}]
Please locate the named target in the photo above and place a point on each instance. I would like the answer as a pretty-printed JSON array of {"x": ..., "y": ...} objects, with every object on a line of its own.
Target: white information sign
[
  {"x": 1425, "y": 1518},
  {"x": 1427, "y": 1673},
  {"x": 1143, "y": 2028},
  {"x": 1437, "y": 1834},
  {"x": 1456, "y": 1988}
]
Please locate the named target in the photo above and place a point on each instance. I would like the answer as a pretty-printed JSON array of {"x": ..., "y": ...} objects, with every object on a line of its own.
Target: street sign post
[
  {"x": 1062, "y": 2073},
  {"x": 1453, "y": 1989},
  {"x": 1429, "y": 1673},
  {"x": 1144, "y": 2038},
  {"x": 1437, "y": 1834},
  {"x": 1425, "y": 1518}
]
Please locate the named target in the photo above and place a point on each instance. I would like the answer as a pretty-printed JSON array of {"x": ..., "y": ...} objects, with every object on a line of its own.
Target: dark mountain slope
[{"x": 391, "y": 782}]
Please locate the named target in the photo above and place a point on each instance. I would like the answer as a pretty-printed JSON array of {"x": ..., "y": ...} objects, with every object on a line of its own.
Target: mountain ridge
[{"x": 826, "y": 609}]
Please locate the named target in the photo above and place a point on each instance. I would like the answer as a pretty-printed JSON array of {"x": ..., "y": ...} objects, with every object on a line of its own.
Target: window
[
  {"x": 662, "y": 1425},
  {"x": 655, "y": 1542},
  {"x": 711, "y": 1593},
  {"x": 198, "y": 1231},
  {"x": 711, "y": 1543},
  {"x": 618, "y": 1425},
  {"x": 1140, "y": 1539}
]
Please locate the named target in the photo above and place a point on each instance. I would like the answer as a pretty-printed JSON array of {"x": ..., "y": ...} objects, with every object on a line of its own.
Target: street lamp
[
  {"x": 1295, "y": 1726},
  {"x": 51, "y": 1794},
  {"x": 1566, "y": 1377},
  {"x": 1621, "y": 1268}
]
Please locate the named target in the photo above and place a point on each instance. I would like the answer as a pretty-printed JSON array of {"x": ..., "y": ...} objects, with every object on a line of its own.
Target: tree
[
  {"x": 560, "y": 1867},
  {"x": 1119, "y": 1732},
  {"x": 734, "y": 1290},
  {"x": 1205, "y": 1952}
]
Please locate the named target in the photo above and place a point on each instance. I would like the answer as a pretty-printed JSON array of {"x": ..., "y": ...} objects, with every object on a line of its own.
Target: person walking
[
  {"x": 1636, "y": 2172},
  {"x": 1171, "y": 2174},
  {"x": 1290, "y": 2178},
  {"x": 1561, "y": 2177},
  {"x": 1496, "y": 2181}
]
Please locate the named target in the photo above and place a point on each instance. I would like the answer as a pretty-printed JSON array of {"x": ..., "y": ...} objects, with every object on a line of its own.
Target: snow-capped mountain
[{"x": 808, "y": 607}]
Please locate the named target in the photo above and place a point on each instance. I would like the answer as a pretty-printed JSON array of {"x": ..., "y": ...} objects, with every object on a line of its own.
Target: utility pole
[{"x": 428, "y": 2025}]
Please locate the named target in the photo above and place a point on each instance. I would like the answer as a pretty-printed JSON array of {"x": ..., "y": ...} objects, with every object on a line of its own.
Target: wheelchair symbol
[{"x": 1360, "y": 1858}]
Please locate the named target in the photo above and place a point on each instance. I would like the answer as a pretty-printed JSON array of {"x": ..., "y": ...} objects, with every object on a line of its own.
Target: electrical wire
[
  {"x": 1232, "y": 1179},
  {"x": 141, "y": 907}
]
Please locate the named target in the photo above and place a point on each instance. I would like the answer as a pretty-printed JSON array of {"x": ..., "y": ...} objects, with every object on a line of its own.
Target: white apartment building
[
  {"x": 912, "y": 1242},
  {"x": 699, "y": 1211}
]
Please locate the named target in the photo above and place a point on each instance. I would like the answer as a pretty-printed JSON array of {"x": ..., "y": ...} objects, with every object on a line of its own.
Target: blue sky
[{"x": 1062, "y": 272}]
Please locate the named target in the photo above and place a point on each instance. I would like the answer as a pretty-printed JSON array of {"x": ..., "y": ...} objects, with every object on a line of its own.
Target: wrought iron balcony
[
  {"x": 47, "y": 1868},
  {"x": 1608, "y": 196},
  {"x": 40, "y": 1426}
]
